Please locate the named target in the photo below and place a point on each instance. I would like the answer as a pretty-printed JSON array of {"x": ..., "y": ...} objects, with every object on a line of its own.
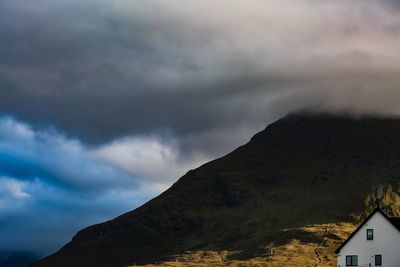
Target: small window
[
  {"x": 370, "y": 234},
  {"x": 352, "y": 260},
  {"x": 378, "y": 260}
]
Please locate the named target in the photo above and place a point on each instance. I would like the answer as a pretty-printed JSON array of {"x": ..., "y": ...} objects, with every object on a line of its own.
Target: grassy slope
[
  {"x": 302, "y": 170},
  {"x": 325, "y": 238}
]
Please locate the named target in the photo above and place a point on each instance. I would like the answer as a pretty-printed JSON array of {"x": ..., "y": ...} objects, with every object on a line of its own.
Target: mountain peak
[{"x": 304, "y": 169}]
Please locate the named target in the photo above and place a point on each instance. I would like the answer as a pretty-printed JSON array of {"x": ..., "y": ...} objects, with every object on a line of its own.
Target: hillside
[
  {"x": 16, "y": 258},
  {"x": 304, "y": 170}
]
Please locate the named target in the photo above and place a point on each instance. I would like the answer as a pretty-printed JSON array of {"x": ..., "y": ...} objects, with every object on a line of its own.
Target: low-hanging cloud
[
  {"x": 135, "y": 154},
  {"x": 110, "y": 69}
]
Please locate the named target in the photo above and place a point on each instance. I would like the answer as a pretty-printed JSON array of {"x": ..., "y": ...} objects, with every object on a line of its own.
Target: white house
[{"x": 376, "y": 242}]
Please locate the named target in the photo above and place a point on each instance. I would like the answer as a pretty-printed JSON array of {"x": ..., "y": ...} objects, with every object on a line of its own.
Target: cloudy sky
[{"x": 105, "y": 103}]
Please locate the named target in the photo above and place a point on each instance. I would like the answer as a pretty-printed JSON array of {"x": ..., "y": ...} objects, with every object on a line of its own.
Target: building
[{"x": 376, "y": 242}]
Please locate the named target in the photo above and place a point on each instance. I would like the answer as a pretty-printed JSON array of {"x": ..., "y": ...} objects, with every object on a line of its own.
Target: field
[{"x": 317, "y": 251}]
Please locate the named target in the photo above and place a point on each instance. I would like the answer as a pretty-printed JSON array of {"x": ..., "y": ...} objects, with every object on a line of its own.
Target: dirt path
[{"x": 320, "y": 245}]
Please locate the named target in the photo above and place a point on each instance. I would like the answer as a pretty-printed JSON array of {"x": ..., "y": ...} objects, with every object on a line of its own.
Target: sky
[{"x": 106, "y": 103}]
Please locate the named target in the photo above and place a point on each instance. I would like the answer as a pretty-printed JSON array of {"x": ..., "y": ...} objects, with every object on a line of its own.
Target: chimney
[{"x": 378, "y": 203}]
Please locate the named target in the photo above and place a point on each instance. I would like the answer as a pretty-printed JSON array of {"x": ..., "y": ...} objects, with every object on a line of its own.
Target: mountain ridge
[{"x": 304, "y": 169}]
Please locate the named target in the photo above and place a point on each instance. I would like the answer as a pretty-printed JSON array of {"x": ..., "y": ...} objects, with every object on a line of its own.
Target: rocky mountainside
[{"x": 304, "y": 169}]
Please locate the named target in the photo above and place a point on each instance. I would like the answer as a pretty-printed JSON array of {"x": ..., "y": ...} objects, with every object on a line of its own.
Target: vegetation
[
  {"x": 293, "y": 254},
  {"x": 384, "y": 197}
]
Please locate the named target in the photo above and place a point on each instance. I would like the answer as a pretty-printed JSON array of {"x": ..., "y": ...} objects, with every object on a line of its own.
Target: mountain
[
  {"x": 305, "y": 169},
  {"x": 16, "y": 259}
]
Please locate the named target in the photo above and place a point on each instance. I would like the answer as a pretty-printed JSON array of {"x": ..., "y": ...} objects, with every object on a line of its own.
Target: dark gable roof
[{"x": 395, "y": 221}]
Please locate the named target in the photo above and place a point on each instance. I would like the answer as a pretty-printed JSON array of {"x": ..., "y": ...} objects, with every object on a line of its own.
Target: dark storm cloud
[
  {"x": 103, "y": 70},
  {"x": 108, "y": 69}
]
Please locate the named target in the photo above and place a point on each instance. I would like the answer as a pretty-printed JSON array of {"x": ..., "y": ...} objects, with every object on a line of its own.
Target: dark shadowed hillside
[
  {"x": 16, "y": 259},
  {"x": 301, "y": 170}
]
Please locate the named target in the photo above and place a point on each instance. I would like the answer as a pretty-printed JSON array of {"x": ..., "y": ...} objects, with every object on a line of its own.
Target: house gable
[
  {"x": 393, "y": 221},
  {"x": 376, "y": 239}
]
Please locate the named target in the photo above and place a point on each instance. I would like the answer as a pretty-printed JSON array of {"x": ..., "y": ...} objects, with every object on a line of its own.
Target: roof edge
[{"x": 362, "y": 224}]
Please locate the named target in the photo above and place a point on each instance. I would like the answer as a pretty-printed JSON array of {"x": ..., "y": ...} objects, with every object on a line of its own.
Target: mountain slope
[
  {"x": 302, "y": 170},
  {"x": 16, "y": 258}
]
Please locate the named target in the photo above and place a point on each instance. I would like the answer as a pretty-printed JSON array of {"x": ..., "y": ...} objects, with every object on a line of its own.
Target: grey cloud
[{"x": 108, "y": 69}]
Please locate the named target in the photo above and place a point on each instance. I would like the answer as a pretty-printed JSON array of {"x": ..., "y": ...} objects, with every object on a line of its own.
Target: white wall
[{"x": 386, "y": 243}]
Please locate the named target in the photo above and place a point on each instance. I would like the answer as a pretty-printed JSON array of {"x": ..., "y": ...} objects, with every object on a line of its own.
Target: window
[
  {"x": 352, "y": 260},
  {"x": 370, "y": 234},
  {"x": 378, "y": 260}
]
